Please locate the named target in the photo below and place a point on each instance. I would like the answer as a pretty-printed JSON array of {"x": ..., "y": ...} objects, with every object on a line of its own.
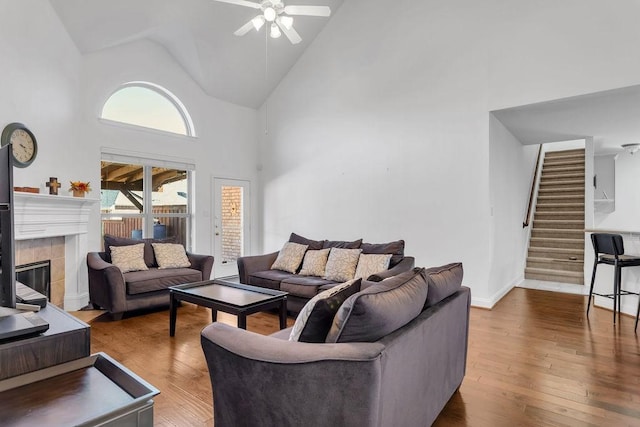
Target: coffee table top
[{"x": 235, "y": 294}]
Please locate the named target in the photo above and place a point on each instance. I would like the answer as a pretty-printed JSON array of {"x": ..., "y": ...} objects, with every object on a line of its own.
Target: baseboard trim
[
  {"x": 76, "y": 302},
  {"x": 493, "y": 300}
]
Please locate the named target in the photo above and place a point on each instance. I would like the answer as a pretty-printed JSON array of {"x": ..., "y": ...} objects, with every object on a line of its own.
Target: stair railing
[{"x": 527, "y": 218}]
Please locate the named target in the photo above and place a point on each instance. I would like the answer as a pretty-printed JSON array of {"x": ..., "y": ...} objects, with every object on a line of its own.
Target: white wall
[
  {"x": 369, "y": 140},
  {"x": 382, "y": 130},
  {"x": 511, "y": 169},
  {"x": 40, "y": 85}
]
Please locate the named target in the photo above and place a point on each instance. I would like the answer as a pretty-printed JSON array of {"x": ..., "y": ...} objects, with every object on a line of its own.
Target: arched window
[{"x": 148, "y": 105}]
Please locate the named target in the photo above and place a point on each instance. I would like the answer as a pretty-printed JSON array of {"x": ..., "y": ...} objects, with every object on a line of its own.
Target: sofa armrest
[
  {"x": 406, "y": 264},
  {"x": 251, "y": 264},
  {"x": 243, "y": 364},
  {"x": 204, "y": 263},
  {"x": 106, "y": 284}
]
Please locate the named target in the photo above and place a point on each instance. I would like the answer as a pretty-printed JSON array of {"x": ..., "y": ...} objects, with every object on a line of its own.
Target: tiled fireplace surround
[{"x": 55, "y": 228}]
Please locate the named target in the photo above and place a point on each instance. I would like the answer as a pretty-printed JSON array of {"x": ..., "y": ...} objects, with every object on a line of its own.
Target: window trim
[{"x": 165, "y": 93}]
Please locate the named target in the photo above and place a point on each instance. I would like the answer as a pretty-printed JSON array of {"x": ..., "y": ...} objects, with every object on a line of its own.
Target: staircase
[{"x": 556, "y": 248}]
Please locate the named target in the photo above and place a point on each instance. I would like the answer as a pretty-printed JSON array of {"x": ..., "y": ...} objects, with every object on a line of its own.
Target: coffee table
[{"x": 226, "y": 295}]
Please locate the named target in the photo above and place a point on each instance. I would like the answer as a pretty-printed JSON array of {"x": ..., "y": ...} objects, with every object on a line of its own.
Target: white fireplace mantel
[{"x": 38, "y": 216}]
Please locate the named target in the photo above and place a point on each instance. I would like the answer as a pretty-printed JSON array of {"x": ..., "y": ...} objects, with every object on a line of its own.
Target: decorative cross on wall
[{"x": 53, "y": 185}]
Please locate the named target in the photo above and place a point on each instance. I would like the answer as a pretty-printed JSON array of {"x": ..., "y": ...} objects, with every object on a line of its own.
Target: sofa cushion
[
  {"x": 313, "y": 244},
  {"x": 396, "y": 249},
  {"x": 443, "y": 281},
  {"x": 170, "y": 255},
  {"x": 128, "y": 258},
  {"x": 315, "y": 319},
  {"x": 342, "y": 244},
  {"x": 369, "y": 264},
  {"x": 139, "y": 282},
  {"x": 381, "y": 308},
  {"x": 149, "y": 257},
  {"x": 289, "y": 257},
  {"x": 268, "y": 278},
  {"x": 304, "y": 286},
  {"x": 315, "y": 262},
  {"x": 341, "y": 265}
]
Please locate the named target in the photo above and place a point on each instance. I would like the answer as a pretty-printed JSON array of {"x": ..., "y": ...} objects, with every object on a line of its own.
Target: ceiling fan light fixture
[
  {"x": 258, "y": 22},
  {"x": 286, "y": 22},
  {"x": 631, "y": 148},
  {"x": 275, "y": 31},
  {"x": 270, "y": 14}
]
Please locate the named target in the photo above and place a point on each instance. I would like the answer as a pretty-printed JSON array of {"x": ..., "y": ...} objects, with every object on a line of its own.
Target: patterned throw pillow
[
  {"x": 315, "y": 319},
  {"x": 369, "y": 264},
  {"x": 341, "y": 265},
  {"x": 170, "y": 255},
  {"x": 128, "y": 258},
  {"x": 290, "y": 257},
  {"x": 315, "y": 262}
]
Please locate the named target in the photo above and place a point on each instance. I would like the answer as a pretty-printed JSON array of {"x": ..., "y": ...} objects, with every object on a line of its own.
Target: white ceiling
[
  {"x": 611, "y": 117},
  {"x": 199, "y": 35}
]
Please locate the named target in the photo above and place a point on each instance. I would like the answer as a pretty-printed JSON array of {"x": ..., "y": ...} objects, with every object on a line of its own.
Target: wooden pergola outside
[{"x": 129, "y": 178}]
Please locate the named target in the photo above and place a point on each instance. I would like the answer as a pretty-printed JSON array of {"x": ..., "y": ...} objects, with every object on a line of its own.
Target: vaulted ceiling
[{"x": 199, "y": 35}]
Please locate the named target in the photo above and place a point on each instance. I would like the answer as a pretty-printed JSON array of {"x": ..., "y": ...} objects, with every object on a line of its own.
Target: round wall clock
[{"x": 23, "y": 142}]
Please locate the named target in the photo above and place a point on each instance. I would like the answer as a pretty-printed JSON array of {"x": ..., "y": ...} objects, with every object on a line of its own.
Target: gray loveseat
[
  {"x": 256, "y": 270},
  {"x": 402, "y": 379},
  {"x": 119, "y": 292}
]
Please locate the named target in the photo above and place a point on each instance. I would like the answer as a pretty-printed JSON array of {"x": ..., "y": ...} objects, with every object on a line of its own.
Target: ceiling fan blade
[
  {"x": 291, "y": 34},
  {"x": 241, "y": 3},
  {"x": 244, "y": 29},
  {"x": 307, "y": 10}
]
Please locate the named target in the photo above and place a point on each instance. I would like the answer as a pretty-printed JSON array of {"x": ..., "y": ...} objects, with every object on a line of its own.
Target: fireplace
[
  {"x": 56, "y": 228},
  {"x": 37, "y": 276}
]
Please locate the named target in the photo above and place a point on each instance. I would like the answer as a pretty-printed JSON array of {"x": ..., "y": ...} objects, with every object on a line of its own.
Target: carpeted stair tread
[
  {"x": 555, "y": 264},
  {"x": 554, "y": 242},
  {"x": 574, "y": 277}
]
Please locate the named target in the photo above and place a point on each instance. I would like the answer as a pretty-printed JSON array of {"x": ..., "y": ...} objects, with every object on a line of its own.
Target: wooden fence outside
[{"x": 131, "y": 227}]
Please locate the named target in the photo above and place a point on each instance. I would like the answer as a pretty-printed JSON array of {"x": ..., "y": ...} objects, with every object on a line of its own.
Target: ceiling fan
[{"x": 279, "y": 15}]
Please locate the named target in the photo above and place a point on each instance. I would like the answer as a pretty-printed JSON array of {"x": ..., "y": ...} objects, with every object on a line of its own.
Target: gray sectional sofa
[
  {"x": 403, "y": 378},
  {"x": 119, "y": 292},
  {"x": 256, "y": 270}
]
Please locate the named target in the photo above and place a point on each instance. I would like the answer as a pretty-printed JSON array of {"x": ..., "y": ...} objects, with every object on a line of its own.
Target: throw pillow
[
  {"x": 369, "y": 264},
  {"x": 342, "y": 244},
  {"x": 149, "y": 259},
  {"x": 128, "y": 258},
  {"x": 289, "y": 257},
  {"x": 315, "y": 319},
  {"x": 110, "y": 241},
  {"x": 341, "y": 265},
  {"x": 396, "y": 249},
  {"x": 443, "y": 281},
  {"x": 380, "y": 309},
  {"x": 170, "y": 255},
  {"x": 313, "y": 244},
  {"x": 315, "y": 262}
]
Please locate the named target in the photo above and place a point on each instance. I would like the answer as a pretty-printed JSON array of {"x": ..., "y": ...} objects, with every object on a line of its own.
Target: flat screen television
[{"x": 7, "y": 250}]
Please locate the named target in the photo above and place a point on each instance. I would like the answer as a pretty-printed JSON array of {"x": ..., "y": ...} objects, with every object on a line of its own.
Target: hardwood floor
[{"x": 534, "y": 360}]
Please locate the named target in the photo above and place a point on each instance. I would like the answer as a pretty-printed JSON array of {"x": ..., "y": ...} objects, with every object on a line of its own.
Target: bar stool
[{"x": 609, "y": 249}]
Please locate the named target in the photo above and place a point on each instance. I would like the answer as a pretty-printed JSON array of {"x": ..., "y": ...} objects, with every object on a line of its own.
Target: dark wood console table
[
  {"x": 52, "y": 380},
  {"x": 66, "y": 339}
]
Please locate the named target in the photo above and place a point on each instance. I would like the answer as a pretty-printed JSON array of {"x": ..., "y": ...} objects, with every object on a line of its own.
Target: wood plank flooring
[{"x": 534, "y": 360}]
